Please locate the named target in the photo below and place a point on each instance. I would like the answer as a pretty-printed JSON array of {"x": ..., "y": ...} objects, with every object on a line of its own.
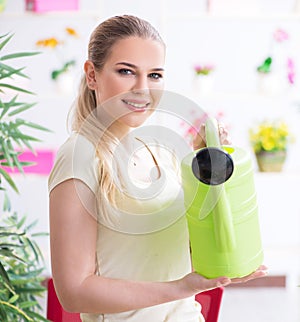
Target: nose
[{"x": 141, "y": 85}]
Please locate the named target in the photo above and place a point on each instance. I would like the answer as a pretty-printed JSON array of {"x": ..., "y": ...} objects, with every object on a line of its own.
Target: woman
[{"x": 119, "y": 240}]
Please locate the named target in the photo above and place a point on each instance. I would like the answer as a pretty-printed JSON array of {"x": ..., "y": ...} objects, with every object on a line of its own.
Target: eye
[
  {"x": 155, "y": 76},
  {"x": 125, "y": 71}
]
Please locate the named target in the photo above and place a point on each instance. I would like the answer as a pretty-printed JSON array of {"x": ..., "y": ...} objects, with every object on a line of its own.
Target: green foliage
[
  {"x": 56, "y": 73},
  {"x": 12, "y": 137},
  {"x": 21, "y": 266},
  {"x": 265, "y": 67},
  {"x": 21, "y": 260}
]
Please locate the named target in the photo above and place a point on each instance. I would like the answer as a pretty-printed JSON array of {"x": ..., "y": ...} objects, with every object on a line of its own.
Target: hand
[
  {"x": 195, "y": 283},
  {"x": 200, "y": 139}
]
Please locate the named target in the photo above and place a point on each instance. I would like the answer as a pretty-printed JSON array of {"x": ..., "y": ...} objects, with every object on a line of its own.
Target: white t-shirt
[{"x": 145, "y": 239}]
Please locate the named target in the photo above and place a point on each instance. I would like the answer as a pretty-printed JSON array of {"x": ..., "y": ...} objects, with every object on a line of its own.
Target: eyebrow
[{"x": 134, "y": 66}]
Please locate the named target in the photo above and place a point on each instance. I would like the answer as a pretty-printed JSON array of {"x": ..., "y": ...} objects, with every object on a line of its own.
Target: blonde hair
[{"x": 85, "y": 121}]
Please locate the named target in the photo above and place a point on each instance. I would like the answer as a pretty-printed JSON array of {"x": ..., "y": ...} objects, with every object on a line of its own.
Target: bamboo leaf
[
  {"x": 18, "y": 55},
  {"x": 17, "y": 163},
  {"x": 36, "y": 126},
  {"x": 6, "y": 203},
  {"x": 7, "y": 245},
  {"x": 11, "y": 72},
  {"x": 4, "y": 234},
  {"x": 25, "y": 305},
  {"x": 21, "y": 109},
  {"x": 15, "y": 88},
  {"x": 21, "y": 222},
  {"x": 4, "y": 274},
  {"x": 37, "y": 317},
  {"x": 5, "y": 41},
  {"x": 13, "y": 299},
  {"x": 10, "y": 69},
  {"x": 29, "y": 227},
  {"x": 33, "y": 248},
  {"x": 14, "y": 308},
  {"x": 28, "y": 276},
  {"x": 8, "y": 179},
  {"x": 10, "y": 254},
  {"x": 6, "y": 153}
]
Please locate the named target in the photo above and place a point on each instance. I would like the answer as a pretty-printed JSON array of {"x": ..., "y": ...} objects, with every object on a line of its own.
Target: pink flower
[
  {"x": 203, "y": 69},
  {"x": 280, "y": 35},
  {"x": 291, "y": 70}
]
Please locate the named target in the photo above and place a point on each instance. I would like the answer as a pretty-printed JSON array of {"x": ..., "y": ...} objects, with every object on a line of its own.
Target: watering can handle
[
  {"x": 222, "y": 217},
  {"x": 212, "y": 133}
]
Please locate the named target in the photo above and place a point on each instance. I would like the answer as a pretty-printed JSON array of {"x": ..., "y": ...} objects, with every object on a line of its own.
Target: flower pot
[
  {"x": 269, "y": 84},
  {"x": 203, "y": 84},
  {"x": 65, "y": 83},
  {"x": 270, "y": 161}
]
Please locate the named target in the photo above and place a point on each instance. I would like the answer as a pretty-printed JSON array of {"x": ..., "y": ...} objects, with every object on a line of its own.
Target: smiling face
[{"x": 129, "y": 85}]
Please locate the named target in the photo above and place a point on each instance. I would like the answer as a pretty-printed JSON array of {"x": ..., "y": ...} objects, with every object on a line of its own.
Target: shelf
[
  {"x": 293, "y": 98},
  {"x": 52, "y": 14},
  {"x": 234, "y": 16}
]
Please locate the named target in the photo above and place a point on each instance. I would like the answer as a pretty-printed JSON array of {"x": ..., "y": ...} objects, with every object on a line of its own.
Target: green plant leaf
[
  {"x": 21, "y": 222},
  {"x": 17, "y": 164},
  {"x": 9, "y": 180},
  {"x": 6, "y": 203},
  {"x": 7, "y": 245},
  {"x": 15, "y": 88},
  {"x": 10, "y": 254},
  {"x": 4, "y": 274},
  {"x": 25, "y": 305},
  {"x": 37, "y": 317},
  {"x": 14, "y": 308},
  {"x": 5, "y": 149},
  {"x": 33, "y": 248},
  {"x": 9, "y": 69},
  {"x": 14, "y": 298},
  {"x": 21, "y": 109},
  {"x": 36, "y": 126},
  {"x": 18, "y": 55},
  {"x": 5, "y": 41}
]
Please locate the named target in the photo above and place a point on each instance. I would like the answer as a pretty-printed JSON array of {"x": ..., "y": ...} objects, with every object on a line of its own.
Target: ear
[{"x": 90, "y": 74}]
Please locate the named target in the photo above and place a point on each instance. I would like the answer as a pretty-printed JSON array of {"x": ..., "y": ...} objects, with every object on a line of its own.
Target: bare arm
[{"x": 73, "y": 232}]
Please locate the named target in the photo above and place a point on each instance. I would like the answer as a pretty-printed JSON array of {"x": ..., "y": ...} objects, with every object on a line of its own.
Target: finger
[
  {"x": 217, "y": 282},
  {"x": 260, "y": 272},
  {"x": 200, "y": 283}
]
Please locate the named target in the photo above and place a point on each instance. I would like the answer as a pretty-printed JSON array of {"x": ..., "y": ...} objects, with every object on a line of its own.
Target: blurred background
[{"x": 239, "y": 60}]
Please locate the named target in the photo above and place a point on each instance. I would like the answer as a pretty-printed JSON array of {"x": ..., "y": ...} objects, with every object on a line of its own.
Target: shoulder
[{"x": 76, "y": 158}]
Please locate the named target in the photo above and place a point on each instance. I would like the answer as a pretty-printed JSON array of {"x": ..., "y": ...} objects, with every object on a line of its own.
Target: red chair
[
  {"x": 55, "y": 311},
  {"x": 211, "y": 303},
  {"x": 209, "y": 300}
]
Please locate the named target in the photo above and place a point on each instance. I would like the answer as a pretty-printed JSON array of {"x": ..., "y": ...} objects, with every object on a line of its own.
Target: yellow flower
[
  {"x": 49, "y": 42},
  {"x": 269, "y": 136},
  {"x": 71, "y": 32}
]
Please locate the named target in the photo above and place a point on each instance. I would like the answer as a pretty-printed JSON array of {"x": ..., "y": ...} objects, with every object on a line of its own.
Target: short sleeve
[{"x": 76, "y": 159}]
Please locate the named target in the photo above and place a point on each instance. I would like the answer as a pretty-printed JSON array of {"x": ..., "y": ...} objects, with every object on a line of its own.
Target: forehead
[{"x": 138, "y": 51}]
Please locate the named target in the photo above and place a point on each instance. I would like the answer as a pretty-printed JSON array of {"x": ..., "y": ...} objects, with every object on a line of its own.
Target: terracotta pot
[{"x": 270, "y": 161}]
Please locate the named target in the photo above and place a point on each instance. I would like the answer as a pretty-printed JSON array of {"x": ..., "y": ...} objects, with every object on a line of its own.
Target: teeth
[{"x": 137, "y": 105}]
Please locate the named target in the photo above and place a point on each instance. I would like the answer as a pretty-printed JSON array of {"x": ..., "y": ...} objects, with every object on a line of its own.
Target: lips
[{"x": 135, "y": 105}]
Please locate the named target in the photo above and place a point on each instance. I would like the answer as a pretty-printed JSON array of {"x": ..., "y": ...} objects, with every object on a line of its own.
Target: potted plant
[
  {"x": 62, "y": 75},
  {"x": 203, "y": 78},
  {"x": 269, "y": 140},
  {"x": 21, "y": 261}
]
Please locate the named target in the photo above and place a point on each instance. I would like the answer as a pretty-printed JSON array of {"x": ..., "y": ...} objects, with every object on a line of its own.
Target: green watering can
[{"x": 221, "y": 208}]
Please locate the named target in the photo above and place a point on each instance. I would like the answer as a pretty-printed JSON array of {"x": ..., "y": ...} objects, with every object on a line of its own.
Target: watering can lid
[{"x": 212, "y": 165}]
